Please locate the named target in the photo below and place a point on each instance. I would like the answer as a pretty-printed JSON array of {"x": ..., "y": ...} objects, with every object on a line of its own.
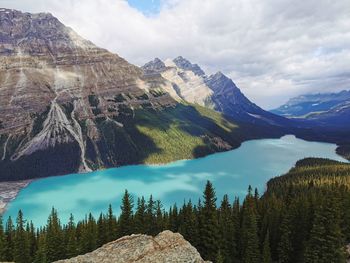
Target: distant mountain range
[
  {"x": 328, "y": 109},
  {"x": 69, "y": 106}
]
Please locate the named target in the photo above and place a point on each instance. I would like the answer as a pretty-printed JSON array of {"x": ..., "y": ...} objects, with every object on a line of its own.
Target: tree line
[{"x": 304, "y": 216}]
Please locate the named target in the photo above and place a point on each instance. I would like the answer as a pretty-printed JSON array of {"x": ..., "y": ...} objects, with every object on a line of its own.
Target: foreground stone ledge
[{"x": 166, "y": 247}]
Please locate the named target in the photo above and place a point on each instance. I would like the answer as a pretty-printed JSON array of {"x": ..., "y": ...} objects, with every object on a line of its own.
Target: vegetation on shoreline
[{"x": 304, "y": 216}]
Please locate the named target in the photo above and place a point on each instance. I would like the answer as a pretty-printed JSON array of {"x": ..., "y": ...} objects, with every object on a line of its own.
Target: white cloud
[{"x": 273, "y": 49}]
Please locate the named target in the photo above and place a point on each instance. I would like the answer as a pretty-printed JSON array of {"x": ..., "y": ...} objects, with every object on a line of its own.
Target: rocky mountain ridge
[
  {"x": 216, "y": 91},
  {"x": 322, "y": 109},
  {"x": 165, "y": 247},
  {"x": 303, "y": 105},
  {"x": 55, "y": 84},
  {"x": 68, "y": 106}
]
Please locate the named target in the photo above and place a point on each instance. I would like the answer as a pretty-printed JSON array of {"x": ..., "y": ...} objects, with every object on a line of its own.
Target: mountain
[
  {"x": 326, "y": 115},
  {"x": 165, "y": 247},
  {"x": 305, "y": 105},
  {"x": 324, "y": 109},
  {"x": 216, "y": 91},
  {"x": 69, "y": 106},
  {"x": 337, "y": 116},
  {"x": 187, "y": 80}
]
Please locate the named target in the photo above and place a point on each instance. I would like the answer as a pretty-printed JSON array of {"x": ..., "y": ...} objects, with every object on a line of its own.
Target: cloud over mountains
[{"x": 273, "y": 49}]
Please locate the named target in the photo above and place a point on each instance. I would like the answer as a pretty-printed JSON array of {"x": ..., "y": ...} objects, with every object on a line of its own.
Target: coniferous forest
[{"x": 304, "y": 216}]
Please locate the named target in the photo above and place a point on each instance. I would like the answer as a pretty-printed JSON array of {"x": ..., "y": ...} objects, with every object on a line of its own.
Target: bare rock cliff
[
  {"x": 58, "y": 92},
  {"x": 166, "y": 247}
]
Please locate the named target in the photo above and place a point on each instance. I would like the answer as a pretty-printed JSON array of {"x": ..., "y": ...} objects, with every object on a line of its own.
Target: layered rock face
[
  {"x": 187, "y": 80},
  {"x": 216, "y": 91},
  {"x": 56, "y": 88},
  {"x": 166, "y": 247},
  {"x": 68, "y": 106}
]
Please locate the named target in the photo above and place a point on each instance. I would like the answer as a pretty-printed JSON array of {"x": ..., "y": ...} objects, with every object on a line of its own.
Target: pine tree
[
  {"x": 88, "y": 240},
  {"x": 140, "y": 216},
  {"x": 266, "y": 254},
  {"x": 111, "y": 225},
  {"x": 249, "y": 229},
  {"x": 173, "y": 222},
  {"x": 41, "y": 253},
  {"x": 285, "y": 247},
  {"x": 219, "y": 257},
  {"x": 227, "y": 229},
  {"x": 2, "y": 242},
  {"x": 346, "y": 217},
  {"x": 9, "y": 236},
  {"x": 150, "y": 217},
  {"x": 71, "y": 239},
  {"x": 54, "y": 238},
  {"x": 256, "y": 197},
  {"x": 301, "y": 226},
  {"x": 159, "y": 217},
  {"x": 32, "y": 240},
  {"x": 126, "y": 216},
  {"x": 326, "y": 243},
  {"x": 209, "y": 244},
  {"x": 21, "y": 243},
  {"x": 189, "y": 225},
  {"x": 235, "y": 245},
  {"x": 102, "y": 230}
]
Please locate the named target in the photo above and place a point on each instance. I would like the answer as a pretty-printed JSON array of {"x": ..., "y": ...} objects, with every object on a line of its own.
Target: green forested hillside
[
  {"x": 184, "y": 131},
  {"x": 134, "y": 136},
  {"x": 304, "y": 216}
]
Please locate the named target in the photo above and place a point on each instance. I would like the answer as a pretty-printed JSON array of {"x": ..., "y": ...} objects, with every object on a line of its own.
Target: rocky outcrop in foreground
[{"x": 166, "y": 247}]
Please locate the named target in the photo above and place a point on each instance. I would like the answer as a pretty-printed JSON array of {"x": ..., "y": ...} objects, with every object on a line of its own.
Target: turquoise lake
[{"x": 254, "y": 163}]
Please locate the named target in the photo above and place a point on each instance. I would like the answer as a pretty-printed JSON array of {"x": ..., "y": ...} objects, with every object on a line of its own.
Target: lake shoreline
[{"x": 10, "y": 190}]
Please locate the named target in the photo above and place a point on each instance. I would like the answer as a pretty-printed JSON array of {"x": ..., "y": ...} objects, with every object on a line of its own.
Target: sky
[
  {"x": 272, "y": 49},
  {"x": 147, "y": 7}
]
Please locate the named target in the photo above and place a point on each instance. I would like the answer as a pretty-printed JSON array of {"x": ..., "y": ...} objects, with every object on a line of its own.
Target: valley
[
  {"x": 77, "y": 107},
  {"x": 254, "y": 163},
  {"x": 326, "y": 114},
  {"x": 84, "y": 131}
]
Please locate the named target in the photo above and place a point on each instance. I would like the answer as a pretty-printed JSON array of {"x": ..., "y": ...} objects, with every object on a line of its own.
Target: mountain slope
[
  {"x": 216, "y": 91},
  {"x": 68, "y": 106},
  {"x": 337, "y": 116},
  {"x": 331, "y": 110},
  {"x": 53, "y": 83},
  {"x": 188, "y": 82}
]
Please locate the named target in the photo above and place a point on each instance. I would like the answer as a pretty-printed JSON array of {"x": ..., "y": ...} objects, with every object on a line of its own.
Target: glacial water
[{"x": 254, "y": 163}]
